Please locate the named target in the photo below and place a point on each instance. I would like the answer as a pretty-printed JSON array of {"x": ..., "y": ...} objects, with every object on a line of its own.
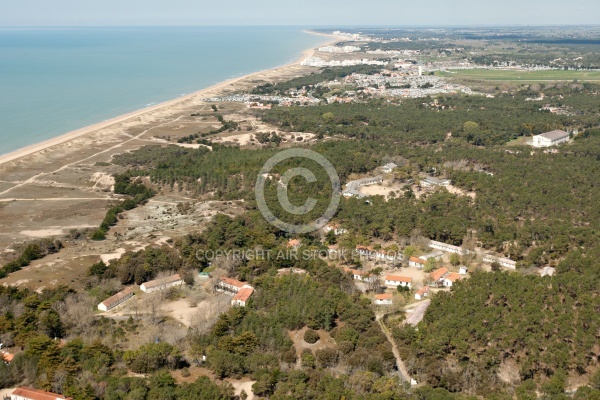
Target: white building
[
  {"x": 116, "y": 299},
  {"x": 422, "y": 293},
  {"x": 430, "y": 181},
  {"x": 384, "y": 299},
  {"x": 447, "y": 247},
  {"x": 416, "y": 262},
  {"x": 550, "y": 139},
  {"x": 388, "y": 168},
  {"x": 505, "y": 262},
  {"x": 396, "y": 280},
  {"x": 449, "y": 280},
  {"x": 241, "y": 298},
  {"x": 436, "y": 255},
  {"x": 337, "y": 230},
  {"x": 462, "y": 270},
  {"x": 161, "y": 284}
]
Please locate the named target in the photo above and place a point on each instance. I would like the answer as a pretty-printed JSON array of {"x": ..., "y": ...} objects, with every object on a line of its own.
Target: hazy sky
[{"x": 294, "y": 12}]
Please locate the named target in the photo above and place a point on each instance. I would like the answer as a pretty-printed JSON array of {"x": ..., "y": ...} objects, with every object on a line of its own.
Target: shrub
[{"x": 311, "y": 336}]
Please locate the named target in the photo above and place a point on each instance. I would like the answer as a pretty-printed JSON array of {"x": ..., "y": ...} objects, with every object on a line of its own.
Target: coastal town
[{"x": 138, "y": 255}]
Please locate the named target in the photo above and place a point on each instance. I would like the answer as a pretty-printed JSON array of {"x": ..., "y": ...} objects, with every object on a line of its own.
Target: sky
[{"x": 297, "y": 12}]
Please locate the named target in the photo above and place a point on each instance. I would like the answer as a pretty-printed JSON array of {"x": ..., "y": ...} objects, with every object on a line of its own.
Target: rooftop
[
  {"x": 233, "y": 282},
  {"x": 36, "y": 394},
  {"x": 398, "y": 278},
  {"x": 243, "y": 295},
  {"x": 115, "y": 298},
  {"x": 554, "y": 135},
  {"x": 439, "y": 273},
  {"x": 162, "y": 281},
  {"x": 384, "y": 296}
]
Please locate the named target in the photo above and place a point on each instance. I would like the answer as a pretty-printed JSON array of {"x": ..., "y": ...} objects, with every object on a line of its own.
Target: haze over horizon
[{"x": 306, "y": 13}]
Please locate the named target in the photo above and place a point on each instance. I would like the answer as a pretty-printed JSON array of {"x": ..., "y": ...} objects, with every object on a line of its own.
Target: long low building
[
  {"x": 504, "y": 262},
  {"x": 449, "y": 248},
  {"x": 116, "y": 299},
  {"x": 548, "y": 139},
  {"x": 28, "y": 393},
  {"x": 161, "y": 284}
]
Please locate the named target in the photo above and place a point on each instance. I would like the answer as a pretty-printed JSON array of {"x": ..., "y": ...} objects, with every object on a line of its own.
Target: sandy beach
[{"x": 211, "y": 91}]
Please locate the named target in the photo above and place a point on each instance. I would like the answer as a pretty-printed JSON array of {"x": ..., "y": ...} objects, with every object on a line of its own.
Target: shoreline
[{"x": 89, "y": 129}]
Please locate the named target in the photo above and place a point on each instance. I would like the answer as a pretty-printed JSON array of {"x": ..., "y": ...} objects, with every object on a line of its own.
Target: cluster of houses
[
  {"x": 146, "y": 287},
  {"x": 241, "y": 291},
  {"x": 29, "y": 393}
]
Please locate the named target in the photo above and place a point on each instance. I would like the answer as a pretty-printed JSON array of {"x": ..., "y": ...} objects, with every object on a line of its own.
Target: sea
[{"x": 55, "y": 80}]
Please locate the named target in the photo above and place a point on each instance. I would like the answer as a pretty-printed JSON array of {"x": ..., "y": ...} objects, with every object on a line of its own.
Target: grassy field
[{"x": 521, "y": 76}]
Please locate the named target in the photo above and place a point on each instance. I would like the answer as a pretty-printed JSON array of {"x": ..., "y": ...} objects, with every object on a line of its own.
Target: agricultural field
[{"x": 522, "y": 76}]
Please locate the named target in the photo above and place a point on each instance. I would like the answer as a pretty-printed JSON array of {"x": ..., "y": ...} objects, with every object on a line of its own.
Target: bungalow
[
  {"x": 396, "y": 280},
  {"x": 116, "y": 299},
  {"x": 384, "y": 299},
  {"x": 242, "y": 297},
  {"x": 438, "y": 275},
  {"x": 505, "y": 262},
  {"x": 416, "y": 262},
  {"x": 449, "y": 280},
  {"x": 28, "y": 393},
  {"x": 422, "y": 293},
  {"x": 447, "y": 247},
  {"x": 388, "y": 168},
  {"x": 161, "y": 283}
]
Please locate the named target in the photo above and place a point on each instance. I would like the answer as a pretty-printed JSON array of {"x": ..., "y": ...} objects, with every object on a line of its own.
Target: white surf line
[{"x": 33, "y": 178}]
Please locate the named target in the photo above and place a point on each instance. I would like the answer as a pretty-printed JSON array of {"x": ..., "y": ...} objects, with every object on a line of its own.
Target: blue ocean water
[{"x": 54, "y": 80}]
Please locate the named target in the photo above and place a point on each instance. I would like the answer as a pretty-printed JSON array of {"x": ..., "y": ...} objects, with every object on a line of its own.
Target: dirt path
[
  {"x": 402, "y": 370},
  {"x": 120, "y": 144}
]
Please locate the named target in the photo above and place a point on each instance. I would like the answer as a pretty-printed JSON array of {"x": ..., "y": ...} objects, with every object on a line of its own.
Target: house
[
  {"x": 242, "y": 297},
  {"x": 293, "y": 243},
  {"x": 7, "y": 357},
  {"x": 384, "y": 299},
  {"x": 230, "y": 285},
  {"x": 289, "y": 271},
  {"x": 388, "y": 168},
  {"x": 364, "y": 276},
  {"x": 462, "y": 270},
  {"x": 28, "y": 393},
  {"x": 547, "y": 271},
  {"x": 548, "y": 139},
  {"x": 116, "y": 299},
  {"x": 448, "y": 248},
  {"x": 416, "y": 262},
  {"x": 161, "y": 283},
  {"x": 439, "y": 274},
  {"x": 449, "y": 280},
  {"x": 396, "y": 280},
  {"x": 504, "y": 262},
  {"x": 422, "y": 293},
  {"x": 430, "y": 181}
]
